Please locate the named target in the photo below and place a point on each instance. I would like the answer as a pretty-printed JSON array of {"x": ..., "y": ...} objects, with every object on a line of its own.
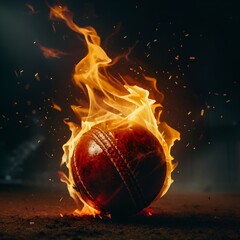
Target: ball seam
[{"x": 125, "y": 172}]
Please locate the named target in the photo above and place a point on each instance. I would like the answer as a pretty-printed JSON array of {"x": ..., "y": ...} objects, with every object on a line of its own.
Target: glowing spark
[
  {"x": 51, "y": 52},
  {"x": 53, "y": 27},
  {"x": 31, "y": 8},
  {"x": 56, "y": 107},
  {"x": 36, "y": 75}
]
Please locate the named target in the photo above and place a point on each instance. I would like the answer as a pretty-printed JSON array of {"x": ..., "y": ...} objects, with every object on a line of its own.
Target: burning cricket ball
[
  {"x": 119, "y": 171},
  {"x": 118, "y": 155}
]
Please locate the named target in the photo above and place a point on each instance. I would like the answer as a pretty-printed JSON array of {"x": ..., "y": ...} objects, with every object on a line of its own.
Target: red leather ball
[{"x": 119, "y": 171}]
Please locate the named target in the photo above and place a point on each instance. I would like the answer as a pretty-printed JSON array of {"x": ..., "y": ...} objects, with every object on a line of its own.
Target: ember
[
  {"x": 118, "y": 155},
  {"x": 51, "y": 52}
]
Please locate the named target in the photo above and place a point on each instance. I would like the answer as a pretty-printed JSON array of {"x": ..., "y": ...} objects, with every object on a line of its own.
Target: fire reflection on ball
[{"x": 118, "y": 171}]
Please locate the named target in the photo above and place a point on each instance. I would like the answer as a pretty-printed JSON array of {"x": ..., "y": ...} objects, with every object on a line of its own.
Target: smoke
[{"x": 15, "y": 161}]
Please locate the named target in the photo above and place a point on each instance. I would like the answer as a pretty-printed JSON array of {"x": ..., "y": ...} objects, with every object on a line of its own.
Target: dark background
[{"x": 191, "y": 47}]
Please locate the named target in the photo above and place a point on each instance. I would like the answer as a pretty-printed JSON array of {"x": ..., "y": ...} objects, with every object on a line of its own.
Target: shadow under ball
[{"x": 119, "y": 171}]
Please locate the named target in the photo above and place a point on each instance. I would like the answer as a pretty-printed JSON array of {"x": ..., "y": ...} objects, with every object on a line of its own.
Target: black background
[{"x": 166, "y": 34}]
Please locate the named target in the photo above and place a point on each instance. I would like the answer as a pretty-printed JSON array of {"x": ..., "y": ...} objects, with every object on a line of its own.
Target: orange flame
[
  {"x": 51, "y": 52},
  {"x": 113, "y": 100}
]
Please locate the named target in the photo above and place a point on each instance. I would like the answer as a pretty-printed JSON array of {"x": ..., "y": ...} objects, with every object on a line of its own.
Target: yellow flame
[{"x": 112, "y": 102}]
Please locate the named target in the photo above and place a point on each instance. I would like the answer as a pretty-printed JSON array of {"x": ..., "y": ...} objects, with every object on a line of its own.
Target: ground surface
[{"x": 33, "y": 213}]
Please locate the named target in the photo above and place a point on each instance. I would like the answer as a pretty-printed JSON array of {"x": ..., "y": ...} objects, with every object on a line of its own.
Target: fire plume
[{"x": 112, "y": 102}]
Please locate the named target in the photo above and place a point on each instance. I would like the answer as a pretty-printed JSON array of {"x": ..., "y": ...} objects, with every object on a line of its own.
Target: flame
[
  {"x": 51, "y": 52},
  {"x": 112, "y": 102}
]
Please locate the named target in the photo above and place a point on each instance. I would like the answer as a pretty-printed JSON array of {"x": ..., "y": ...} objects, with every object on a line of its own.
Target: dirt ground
[{"x": 34, "y": 213}]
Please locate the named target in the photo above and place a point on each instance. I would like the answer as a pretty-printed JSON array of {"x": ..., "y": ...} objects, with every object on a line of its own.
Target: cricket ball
[{"x": 119, "y": 171}]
